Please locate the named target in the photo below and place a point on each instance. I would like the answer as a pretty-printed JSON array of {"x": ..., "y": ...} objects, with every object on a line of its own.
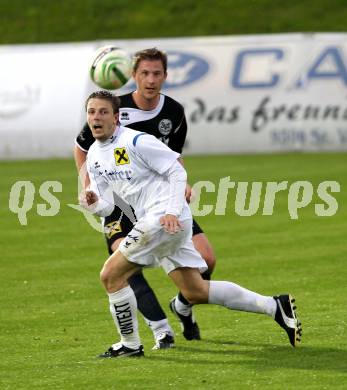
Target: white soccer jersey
[{"x": 132, "y": 164}]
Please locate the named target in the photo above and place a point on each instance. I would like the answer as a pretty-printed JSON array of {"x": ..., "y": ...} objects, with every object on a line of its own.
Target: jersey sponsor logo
[
  {"x": 124, "y": 116},
  {"x": 165, "y": 126},
  {"x": 125, "y": 174},
  {"x": 121, "y": 156},
  {"x": 112, "y": 228}
]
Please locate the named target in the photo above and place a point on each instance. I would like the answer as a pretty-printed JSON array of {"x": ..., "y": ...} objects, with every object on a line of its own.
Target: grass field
[
  {"x": 54, "y": 313},
  {"x": 82, "y": 20}
]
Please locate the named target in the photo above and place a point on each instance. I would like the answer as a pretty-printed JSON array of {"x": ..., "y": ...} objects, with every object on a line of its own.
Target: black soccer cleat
[
  {"x": 119, "y": 351},
  {"x": 164, "y": 341},
  {"x": 286, "y": 317},
  {"x": 189, "y": 326}
]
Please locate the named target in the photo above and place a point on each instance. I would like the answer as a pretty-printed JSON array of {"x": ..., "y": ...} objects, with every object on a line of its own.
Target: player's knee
[
  {"x": 105, "y": 277},
  {"x": 110, "y": 280},
  {"x": 196, "y": 296}
]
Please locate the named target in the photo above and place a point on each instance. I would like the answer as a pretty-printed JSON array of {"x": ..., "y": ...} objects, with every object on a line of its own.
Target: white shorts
[{"x": 149, "y": 245}]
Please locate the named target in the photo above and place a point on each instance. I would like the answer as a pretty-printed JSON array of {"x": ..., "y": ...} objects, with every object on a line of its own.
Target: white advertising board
[
  {"x": 42, "y": 88},
  {"x": 242, "y": 94}
]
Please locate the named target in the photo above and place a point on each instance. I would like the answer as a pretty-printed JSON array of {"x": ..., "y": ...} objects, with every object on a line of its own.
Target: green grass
[
  {"x": 54, "y": 312},
  {"x": 35, "y": 21}
]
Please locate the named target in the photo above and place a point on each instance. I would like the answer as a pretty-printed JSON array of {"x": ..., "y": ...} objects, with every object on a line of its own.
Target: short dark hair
[
  {"x": 105, "y": 95},
  {"x": 151, "y": 54}
]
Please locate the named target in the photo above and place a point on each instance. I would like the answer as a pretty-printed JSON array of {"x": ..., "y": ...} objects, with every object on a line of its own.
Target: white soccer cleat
[{"x": 164, "y": 341}]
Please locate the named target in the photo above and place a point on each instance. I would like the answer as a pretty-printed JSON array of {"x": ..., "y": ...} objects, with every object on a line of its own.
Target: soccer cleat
[
  {"x": 164, "y": 341},
  {"x": 189, "y": 326},
  {"x": 119, "y": 351},
  {"x": 286, "y": 317}
]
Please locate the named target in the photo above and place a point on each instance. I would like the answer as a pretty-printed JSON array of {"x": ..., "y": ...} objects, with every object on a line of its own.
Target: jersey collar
[{"x": 109, "y": 141}]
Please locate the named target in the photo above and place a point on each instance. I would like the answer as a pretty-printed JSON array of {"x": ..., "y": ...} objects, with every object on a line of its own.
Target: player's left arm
[
  {"x": 188, "y": 192},
  {"x": 161, "y": 159},
  {"x": 177, "y": 178}
]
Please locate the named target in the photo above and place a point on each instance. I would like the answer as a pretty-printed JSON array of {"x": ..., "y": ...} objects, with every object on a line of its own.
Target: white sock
[
  {"x": 159, "y": 327},
  {"x": 182, "y": 308},
  {"x": 123, "y": 308},
  {"x": 238, "y": 298}
]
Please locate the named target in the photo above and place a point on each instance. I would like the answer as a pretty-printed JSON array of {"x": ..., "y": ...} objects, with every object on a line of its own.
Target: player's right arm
[
  {"x": 160, "y": 158},
  {"x": 97, "y": 197}
]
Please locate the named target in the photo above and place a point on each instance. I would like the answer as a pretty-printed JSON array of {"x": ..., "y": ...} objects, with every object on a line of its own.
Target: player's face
[
  {"x": 149, "y": 78},
  {"x": 101, "y": 119}
]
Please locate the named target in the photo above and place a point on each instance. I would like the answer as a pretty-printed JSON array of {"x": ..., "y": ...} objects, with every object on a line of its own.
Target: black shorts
[
  {"x": 116, "y": 228},
  {"x": 196, "y": 228}
]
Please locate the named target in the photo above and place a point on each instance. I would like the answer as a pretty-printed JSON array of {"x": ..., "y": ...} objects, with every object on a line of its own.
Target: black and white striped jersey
[{"x": 167, "y": 122}]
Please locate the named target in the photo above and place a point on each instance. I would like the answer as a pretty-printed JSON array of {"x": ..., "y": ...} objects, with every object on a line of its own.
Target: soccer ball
[{"x": 111, "y": 67}]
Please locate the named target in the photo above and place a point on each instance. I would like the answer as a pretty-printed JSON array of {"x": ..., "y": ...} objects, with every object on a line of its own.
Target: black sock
[
  {"x": 206, "y": 275},
  {"x": 182, "y": 299},
  {"x": 147, "y": 302}
]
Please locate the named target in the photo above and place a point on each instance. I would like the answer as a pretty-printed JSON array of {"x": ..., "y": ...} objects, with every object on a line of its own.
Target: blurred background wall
[{"x": 275, "y": 71}]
